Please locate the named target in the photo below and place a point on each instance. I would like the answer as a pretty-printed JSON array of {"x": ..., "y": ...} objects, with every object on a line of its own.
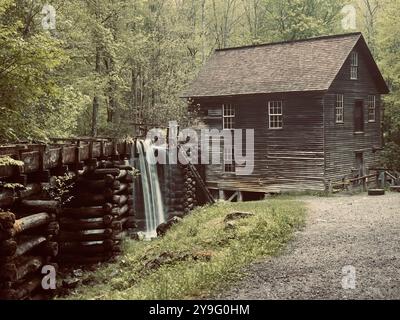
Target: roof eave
[{"x": 251, "y": 94}]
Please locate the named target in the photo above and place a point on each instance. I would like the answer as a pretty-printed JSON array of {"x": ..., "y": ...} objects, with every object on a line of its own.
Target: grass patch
[{"x": 198, "y": 256}]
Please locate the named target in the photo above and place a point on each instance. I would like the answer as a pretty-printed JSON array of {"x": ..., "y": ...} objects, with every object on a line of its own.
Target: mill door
[{"x": 359, "y": 116}]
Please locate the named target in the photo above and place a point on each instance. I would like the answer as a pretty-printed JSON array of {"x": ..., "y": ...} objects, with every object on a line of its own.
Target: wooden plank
[
  {"x": 108, "y": 149},
  {"x": 96, "y": 149},
  {"x": 52, "y": 158},
  {"x": 69, "y": 155},
  {"x": 84, "y": 151},
  {"x": 121, "y": 147},
  {"x": 32, "y": 161}
]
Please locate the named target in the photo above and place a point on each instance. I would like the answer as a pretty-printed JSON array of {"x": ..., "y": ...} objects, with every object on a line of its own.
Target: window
[
  {"x": 340, "y": 108},
  {"x": 354, "y": 66},
  {"x": 229, "y": 164},
  {"x": 275, "y": 115},
  {"x": 228, "y": 115},
  {"x": 371, "y": 108}
]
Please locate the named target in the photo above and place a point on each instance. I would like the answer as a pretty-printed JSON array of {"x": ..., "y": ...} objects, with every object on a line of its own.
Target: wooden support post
[
  {"x": 221, "y": 195},
  {"x": 350, "y": 187},
  {"x": 239, "y": 196},
  {"x": 32, "y": 221},
  {"x": 330, "y": 187},
  {"x": 382, "y": 179}
]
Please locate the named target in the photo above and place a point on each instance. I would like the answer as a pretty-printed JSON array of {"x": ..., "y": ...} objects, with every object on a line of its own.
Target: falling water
[{"x": 153, "y": 202}]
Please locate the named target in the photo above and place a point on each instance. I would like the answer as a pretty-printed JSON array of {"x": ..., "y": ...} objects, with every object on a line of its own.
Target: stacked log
[
  {"x": 27, "y": 229},
  {"x": 173, "y": 190},
  {"x": 101, "y": 212},
  {"x": 29, "y": 220},
  {"x": 190, "y": 197}
]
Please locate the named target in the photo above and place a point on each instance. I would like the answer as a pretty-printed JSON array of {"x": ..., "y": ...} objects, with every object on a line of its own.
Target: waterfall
[{"x": 153, "y": 201}]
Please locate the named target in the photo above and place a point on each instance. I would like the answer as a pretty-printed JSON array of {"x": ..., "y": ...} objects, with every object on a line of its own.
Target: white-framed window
[
  {"x": 275, "y": 115},
  {"x": 371, "y": 108},
  {"x": 229, "y": 162},
  {"x": 354, "y": 66},
  {"x": 339, "y": 108},
  {"x": 228, "y": 116}
]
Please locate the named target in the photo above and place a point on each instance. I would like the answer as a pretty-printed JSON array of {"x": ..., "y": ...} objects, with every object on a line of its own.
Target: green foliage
[
  {"x": 8, "y": 161},
  {"x": 31, "y": 96},
  {"x": 127, "y": 61},
  {"x": 12, "y": 186},
  {"x": 299, "y": 19},
  {"x": 60, "y": 188},
  {"x": 199, "y": 255},
  {"x": 391, "y": 156},
  {"x": 388, "y": 47}
]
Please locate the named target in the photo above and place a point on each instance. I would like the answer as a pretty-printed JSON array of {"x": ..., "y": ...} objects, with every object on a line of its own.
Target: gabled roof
[{"x": 291, "y": 66}]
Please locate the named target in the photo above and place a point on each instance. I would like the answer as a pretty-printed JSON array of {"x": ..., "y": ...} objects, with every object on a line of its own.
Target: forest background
[{"x": 92, "y": 67}]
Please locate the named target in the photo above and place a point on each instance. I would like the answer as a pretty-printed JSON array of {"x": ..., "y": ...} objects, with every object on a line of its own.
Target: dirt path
[{"x": 360, "y": 232}]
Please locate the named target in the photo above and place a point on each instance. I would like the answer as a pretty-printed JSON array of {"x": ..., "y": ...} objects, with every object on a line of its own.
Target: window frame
[
  {"x": 354, "y": 65},
  {"x": 228, "y": 116},
  {"x": 273, "y": 123},
  {"x": 371, "y": 103},
  {"x": 339, "y": 100},
  {"x": 229, "y": 168}
]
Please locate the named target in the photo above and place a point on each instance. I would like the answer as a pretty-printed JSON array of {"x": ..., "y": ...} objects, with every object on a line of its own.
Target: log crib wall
[{"x": 40, "y": 228}]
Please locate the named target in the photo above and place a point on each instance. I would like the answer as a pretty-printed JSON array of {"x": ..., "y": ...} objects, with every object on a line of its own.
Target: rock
[
  {"x": 168, "y": 257},
  {"x": 238, "y": 215},
  {"x": 202, "y": 256},
  {"x": 139, "y": 236},
  {"x": 88, "y": 280},
  {"x": 163, "y": 258},
  {"x": 70, "y": 283},
  {"x": 164, "y": 227},
  {"x": 77, "y": 273},
  {"x": 230, "y": 225},
  {"x": 172, "y": 257}
]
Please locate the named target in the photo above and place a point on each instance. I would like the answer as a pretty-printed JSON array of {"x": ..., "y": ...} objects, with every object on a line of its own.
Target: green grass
[{"x": 207, "y": 256}]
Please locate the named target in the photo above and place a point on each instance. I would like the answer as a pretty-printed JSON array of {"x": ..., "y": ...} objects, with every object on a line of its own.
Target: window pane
[
  {"x": 275, "y": 114},
  {"x": 339, "y": 108},
  {"x": 228, "y": 112},
  {"x": 371, "y": 108}
]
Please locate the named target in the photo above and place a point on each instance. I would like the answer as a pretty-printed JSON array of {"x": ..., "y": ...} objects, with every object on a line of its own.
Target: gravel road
[{"x": 349, "y": 249}]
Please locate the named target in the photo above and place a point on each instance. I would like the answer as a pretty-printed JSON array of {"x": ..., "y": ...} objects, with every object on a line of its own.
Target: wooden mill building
[{"x": 315, "y": 106}]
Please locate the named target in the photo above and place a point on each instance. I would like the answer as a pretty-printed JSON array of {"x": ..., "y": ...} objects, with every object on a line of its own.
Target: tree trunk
[
  {"x": 29, "y": 243},
  {"x": 7, "y": 220},
  {"x": 21, "y": 267},
  {"x": 37, "y": 206},
  {"x": 95, "y": 110},
  {"x": 87, "y": 235},
  {"x": 23, "y": 290},
  {"x": 32, "y": 221}
]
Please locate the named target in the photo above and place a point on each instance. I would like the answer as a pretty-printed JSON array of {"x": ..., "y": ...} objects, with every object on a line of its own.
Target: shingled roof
[{"x": 293, "y": 66}]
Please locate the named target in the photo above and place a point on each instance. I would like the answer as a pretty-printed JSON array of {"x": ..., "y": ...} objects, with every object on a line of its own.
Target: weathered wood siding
[
  {"x": 341, "y": 142},
  {"x": 291, "y": 158}
]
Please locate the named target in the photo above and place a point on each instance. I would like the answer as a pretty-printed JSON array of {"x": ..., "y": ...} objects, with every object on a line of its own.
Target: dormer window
[{"x": 354, "y": 66}]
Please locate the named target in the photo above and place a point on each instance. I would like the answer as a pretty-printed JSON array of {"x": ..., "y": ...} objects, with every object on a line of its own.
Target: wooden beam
[
  {"x": 221, "y": 194},
  {"x": 233, "y": 196}
]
